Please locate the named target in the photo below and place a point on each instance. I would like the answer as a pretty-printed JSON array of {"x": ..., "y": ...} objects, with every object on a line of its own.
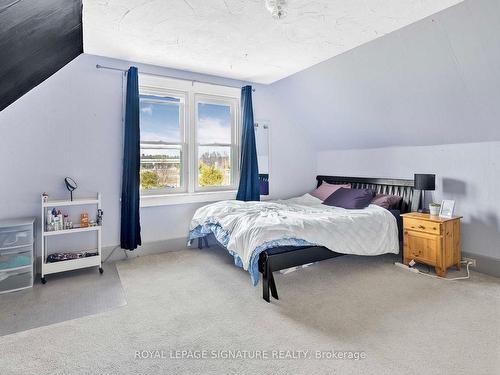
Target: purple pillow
[
  {"x": 326, "y": 189},
  {"x": 350, "y": 198},
  {"x": 386, "y": 201}
]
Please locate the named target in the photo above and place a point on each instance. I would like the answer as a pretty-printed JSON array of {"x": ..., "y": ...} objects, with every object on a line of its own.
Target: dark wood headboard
[{"x": 401, "y": 187}]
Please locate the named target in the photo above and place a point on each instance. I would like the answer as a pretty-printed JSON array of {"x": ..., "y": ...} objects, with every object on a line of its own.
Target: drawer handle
[{"x": 421, "y": 227}]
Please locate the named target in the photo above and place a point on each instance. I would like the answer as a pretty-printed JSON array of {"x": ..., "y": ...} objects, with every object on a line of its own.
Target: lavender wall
[
  {"x": 434, "y": 82},
  {"x": 426, "y": 99},
  {"x": 292, "y": 153},
  {"x": 71, "y": 124},
  {"x": 422, "y": 99},
  {"x": 466, "y": 173}
]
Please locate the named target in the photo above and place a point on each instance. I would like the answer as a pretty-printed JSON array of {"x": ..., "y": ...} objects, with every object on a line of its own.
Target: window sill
[{"x": 186, "y": 198}]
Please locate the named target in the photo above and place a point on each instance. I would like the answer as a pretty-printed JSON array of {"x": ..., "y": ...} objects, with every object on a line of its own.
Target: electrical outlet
[{"x": 469, "y": 260}]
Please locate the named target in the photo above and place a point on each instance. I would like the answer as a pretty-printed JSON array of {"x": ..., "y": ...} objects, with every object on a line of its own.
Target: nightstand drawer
[
  {"x": 421, "y": 246},
  {"x": 422, "y": 226}
]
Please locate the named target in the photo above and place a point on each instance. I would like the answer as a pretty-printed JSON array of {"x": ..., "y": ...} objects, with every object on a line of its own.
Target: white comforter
[{"x": 370, "y": 231}]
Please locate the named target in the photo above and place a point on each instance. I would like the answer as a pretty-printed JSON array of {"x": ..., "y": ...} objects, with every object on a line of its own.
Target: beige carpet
[
  {"x": 66, "y": 296},
  {"x": 196, "y": 300}
]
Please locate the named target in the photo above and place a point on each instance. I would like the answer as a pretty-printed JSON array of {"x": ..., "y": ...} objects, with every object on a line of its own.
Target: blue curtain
[
  {"x": 130, "y": 236},
  {"x": 249, "y": 189}
]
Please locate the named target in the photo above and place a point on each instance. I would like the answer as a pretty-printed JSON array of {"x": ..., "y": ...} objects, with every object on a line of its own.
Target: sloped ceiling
[
  {"x": 434, "y": 82},
  {"x": 37, "y": 38},
  {"x": 239, "y": 38}
]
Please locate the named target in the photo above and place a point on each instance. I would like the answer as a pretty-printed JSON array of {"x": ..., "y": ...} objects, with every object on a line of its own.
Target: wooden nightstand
[{"x": 432, "y": 240}]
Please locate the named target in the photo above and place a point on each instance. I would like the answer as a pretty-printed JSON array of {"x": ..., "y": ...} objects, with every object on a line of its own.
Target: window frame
[
  {"x": 184, "y": 149},
  {"x": 191, "y": 91},
  {"x": 233, "y": 146}
]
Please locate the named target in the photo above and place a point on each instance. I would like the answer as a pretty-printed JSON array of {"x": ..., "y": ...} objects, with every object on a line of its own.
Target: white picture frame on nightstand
[{"x": 447, "y": 208}]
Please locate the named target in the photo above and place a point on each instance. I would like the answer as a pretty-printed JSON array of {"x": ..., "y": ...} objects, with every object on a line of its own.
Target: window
[
  {"x": 189, "y": 137},
  {"x": 162, "y": 143},
  {"x": 215, "y": 148}
]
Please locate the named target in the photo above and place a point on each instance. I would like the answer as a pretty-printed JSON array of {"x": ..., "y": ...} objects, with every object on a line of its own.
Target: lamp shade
[{"x": 425, "y": 181}]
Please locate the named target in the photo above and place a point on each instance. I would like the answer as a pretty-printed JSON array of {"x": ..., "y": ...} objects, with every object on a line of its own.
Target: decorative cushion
[
  {"x": 386, "y": 201},
  {"x": 326, "y": 189},
  {"x": 350, "y": 198}
]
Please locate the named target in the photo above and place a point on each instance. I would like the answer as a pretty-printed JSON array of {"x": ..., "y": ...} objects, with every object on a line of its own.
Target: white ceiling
[{"x": 239, "y": 38}]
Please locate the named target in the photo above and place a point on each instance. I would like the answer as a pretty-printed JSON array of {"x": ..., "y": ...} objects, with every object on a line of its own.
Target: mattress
[{"x": 246, "y": 229}]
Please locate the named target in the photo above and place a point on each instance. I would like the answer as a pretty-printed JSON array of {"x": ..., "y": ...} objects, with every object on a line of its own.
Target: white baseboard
[
  {"x": 484, "y": 264},
  {"x": 157, "y": 247}
]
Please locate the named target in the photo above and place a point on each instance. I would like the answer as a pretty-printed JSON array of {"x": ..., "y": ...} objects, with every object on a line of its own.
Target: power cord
[
  {"x": 454, "y": 278},
  {"x": 415, "y": 270}
]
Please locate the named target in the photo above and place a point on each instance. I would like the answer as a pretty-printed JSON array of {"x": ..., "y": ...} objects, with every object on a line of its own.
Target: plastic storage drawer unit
[{"x": 16, "y": 254}]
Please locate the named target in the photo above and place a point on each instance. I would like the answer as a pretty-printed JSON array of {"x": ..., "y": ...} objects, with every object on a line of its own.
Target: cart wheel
[
  {"x": 43, "y": 280},
  {"x": 101, "y": 271}
]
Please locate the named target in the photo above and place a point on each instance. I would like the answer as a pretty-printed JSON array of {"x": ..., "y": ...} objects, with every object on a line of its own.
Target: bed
[{"x": 264, "y": 237}]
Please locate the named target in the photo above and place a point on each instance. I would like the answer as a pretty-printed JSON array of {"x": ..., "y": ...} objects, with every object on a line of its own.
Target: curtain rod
[{"x": 98, "y": 66}]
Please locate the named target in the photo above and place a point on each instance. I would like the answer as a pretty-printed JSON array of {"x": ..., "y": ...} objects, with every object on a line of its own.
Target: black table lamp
[{"x": 425, "y": 182}]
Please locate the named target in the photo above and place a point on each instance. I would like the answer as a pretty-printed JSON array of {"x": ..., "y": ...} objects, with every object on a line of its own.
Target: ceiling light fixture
[{"x": 277, "y": 8}]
